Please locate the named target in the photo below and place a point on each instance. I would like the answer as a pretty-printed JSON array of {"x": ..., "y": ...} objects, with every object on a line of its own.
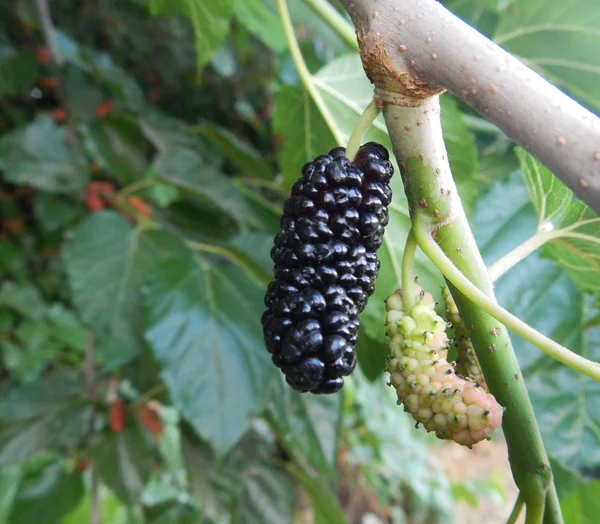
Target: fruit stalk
[{"x": 435, "y": 206}]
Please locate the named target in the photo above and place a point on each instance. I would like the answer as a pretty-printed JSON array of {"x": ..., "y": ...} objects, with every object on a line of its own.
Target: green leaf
[
  {"x": 118, "y": 147},
  {"x": 107, "y": 261},
  {"x": 324, "y": 505},
  {"x": 203, "y": 325},
  {"x": 24, "y": 299},
  {"x": 38, "y": 156},
  {"x": 66, "y": 327},
  {"x": 557, "y": 42},
  {"x": 185, "y": 170},
  {"x": 307, "y": 426},
  {"x": 301, "y": 129},
  {"x": 124, "y": 460},
  {"x": 243, "y": 155},
  {"x": 210, "y": 21},
  {"x": 41, "y": 416},
  {"x": 583, "y": 505},
  {"x": 574, "y": 239},
  {"x": 262, "y": 22},
  {"x": 18, "y": 72},
  {"x": 172, "y": 513},
  {"x": 541, "y": 294},
  {"x": 167, "y": 133},
  {"x": 54, "y": 212},
  {"x": 47, "y": 497},
  {"x": 240, "y": 483},
  {"x": 10, "y": 481}
]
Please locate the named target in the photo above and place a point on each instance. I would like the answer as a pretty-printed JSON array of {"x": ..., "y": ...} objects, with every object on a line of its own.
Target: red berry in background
[
  {"x": 150, "y": 418},
  {"x": 104, "y": 108},
  {"x": 140, "y": 206},
  {"x": 99, "y": 195},
  {"x": 49, "y": 83},
  {"x": 13, "y": 226},
  {"x": 43, "y": 55},
  {"x": 59, "y": 114},
  {"x": 117, "y": 415}
]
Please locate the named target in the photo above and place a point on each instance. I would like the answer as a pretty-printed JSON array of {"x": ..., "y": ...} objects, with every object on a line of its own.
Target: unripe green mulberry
[
  {"x": 467, "y": 364},
  {"x": 454, "y": 407}
]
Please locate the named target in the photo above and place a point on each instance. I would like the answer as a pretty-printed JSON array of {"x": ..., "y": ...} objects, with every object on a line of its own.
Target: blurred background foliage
[{"x": 142, "y": 169}]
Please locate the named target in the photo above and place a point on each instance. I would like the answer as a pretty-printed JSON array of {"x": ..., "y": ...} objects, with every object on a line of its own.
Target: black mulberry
[{"x": 325, "y": 266}]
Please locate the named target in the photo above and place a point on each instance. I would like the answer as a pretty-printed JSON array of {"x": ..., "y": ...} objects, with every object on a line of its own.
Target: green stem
[
  {"x": 303, "y": 72},
  {"x": 408, "y": 279},
  {"x": 362, "y": 125},
  {"x": 452, "y": 273},
  {"x": 335, "y": 20},
  {"x": 231, "y": 256},
  {"x": 436, "y": 209},
  {"x": 136, "y": 186},
  {"x": 516, "y": 511},
  {"x": 534, "y": 510},
  {"x": 522, "y": 251},
  {"x": 552, "y": 513}
]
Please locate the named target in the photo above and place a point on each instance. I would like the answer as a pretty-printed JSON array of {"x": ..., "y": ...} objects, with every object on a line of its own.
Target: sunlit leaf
[{"x": 573, "y": 239}]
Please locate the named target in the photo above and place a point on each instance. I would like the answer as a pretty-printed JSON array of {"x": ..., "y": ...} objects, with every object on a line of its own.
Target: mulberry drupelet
[{"x": 325, "y": 266}]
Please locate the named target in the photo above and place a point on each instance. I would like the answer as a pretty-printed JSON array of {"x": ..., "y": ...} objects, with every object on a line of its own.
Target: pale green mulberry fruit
[
  {"x": 454, "y": 407},
  {"x": 467, "y": 364}
]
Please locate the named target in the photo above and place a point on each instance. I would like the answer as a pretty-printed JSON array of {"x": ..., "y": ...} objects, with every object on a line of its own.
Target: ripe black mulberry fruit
[{"x": 325, "y": 266}]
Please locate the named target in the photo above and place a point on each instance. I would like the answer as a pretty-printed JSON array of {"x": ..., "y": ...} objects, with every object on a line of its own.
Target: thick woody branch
[{"x": 418, "y": 45}]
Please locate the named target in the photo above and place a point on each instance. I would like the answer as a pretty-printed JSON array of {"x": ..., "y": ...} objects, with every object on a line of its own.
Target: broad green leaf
[
  {"x": 18, "y": 72},
  {"x": 185, "y": 170},
  {"x": 301, "y": 131},
  {"x": 107, "y": 261},
  {"x": 110, "y": 508},
  {"x": 558, "y": 40},
  {"x": 47, "y": 497},
  {"x": 324, "y": 505},
  {"x": 124, "y": 460},
  {"x": 307, "y": 426},
  {"x": 210, "y": 21},
  {"x": 541, "y": 294},
  {"x": 27, "y": 359},
  {"x": 241, "y": 154},
  {"x": 582, "y": 506},
  {"x": 66, "y": 327},
  {"x": 262, "y": 22},
  {"x": 44, "y": 415},
  {"x": 172, "y": 513},
  {"x": 38, "y": 156},
  {"x": 118, "y": 147},
  {"x": 24, "y": 299},
  {"x": 203, "y": 325},
  {"x": 573, "y": 229}
]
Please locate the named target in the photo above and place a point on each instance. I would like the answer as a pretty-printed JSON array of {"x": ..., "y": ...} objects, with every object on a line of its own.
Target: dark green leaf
[
  {"x": 24, "y": 299},
  {"x": 243, "y": 155},
  {"x": 203, "y": 325},
  {"x": 172, "y": 513},
  {"x": 185, "y": 170},
  {"x": 37, "y": 155},
  {"x": 124, "y": 460},
  {"x": 118, "y": 147},
  {"x": 307, "y": 426},
  {"x": 41, "y": 416},
  {"x": 47, "y": 497},
  {"x": 56, "y": 211},
  {"x": 168, "y": 133},
  {"x": 17, "y": 73}
]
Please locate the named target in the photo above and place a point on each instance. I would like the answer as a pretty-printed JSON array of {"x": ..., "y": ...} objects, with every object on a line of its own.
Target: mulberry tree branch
[{"x": 421, "y": 45}]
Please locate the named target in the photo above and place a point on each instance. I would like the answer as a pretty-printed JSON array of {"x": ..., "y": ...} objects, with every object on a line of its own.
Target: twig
[{"x": 421, "y": 45}]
